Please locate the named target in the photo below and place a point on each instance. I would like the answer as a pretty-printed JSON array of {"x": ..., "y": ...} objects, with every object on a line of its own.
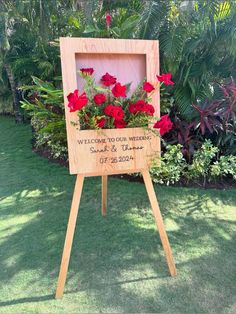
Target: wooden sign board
[
  {"x": 114, "y": 151},
  {"x": 130, "y": 61}
]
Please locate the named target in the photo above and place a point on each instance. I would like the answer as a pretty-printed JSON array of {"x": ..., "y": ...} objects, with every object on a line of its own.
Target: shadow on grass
[{"x": 116, "y": 260}]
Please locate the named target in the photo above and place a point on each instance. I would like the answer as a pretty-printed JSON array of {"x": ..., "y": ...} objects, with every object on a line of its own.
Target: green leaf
[
  {"x": 128, "y": 85},
  {"x": 42, "y": 84},
  {"x": 89, "y": 29},
  {"x": 73, "y": 21},
  {"x": 116, "y": 31},
  {"x": 100, "y": 89},
  {"x": 130, "y": 22}
]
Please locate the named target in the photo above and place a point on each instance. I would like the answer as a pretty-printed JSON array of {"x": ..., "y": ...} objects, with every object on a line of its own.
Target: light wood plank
[
  {"x": 159, "y": 222},
  {"x": 69, "y": 236}
]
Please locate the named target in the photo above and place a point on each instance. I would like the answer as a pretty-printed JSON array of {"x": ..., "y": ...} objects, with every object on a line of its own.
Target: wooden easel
[
  {"x": 73, "y": 217},
  {"x": 141, "y": 56}
]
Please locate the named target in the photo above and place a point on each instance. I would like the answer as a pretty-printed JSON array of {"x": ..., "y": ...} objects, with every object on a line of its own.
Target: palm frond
[
  {"x": 172, "y": 42},
  {"x": 183, "y": 101},
  {"x": 153, "y": 16}
]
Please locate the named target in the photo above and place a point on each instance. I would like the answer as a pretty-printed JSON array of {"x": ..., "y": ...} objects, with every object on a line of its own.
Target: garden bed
[{"x": 222, "y": 184}]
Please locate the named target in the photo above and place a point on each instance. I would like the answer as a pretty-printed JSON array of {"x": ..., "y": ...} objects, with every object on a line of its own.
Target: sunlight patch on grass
[
  {"x": 18, "y": 221},
  {"x": 171, "y": 224},
  {"x": 140, "y": 221}
]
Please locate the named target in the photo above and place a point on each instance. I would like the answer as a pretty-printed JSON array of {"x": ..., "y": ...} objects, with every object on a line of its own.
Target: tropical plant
[
  {"x": 204, "y": 167},
  {"x": 184, "y": 134},
  {"x": 197, "y": 40},
  {"x": 202, "y": 159},
  {"x": 197, "y": 44},
  {"x": 216, "y": 120},
  {"x": 117, "y": 20},
  {"x": 171, "y": 167},
  {"x": 225, "y": 166},
  {"x": 44, "y": 104},
  {"x": 29, "y": 32}
]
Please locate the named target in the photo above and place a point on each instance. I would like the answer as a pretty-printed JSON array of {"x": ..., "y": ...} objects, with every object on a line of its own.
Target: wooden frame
[
  {"x": 73, "y": 48},
  {"x": 138, "y": 57}
]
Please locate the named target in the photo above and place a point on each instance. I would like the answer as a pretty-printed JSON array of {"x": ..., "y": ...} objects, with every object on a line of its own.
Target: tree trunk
[{"x": 15, "y": 94}]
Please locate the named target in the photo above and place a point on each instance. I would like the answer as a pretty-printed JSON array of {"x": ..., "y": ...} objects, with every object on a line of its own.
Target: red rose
[
  {"x": 148, "y": 87},
  {"x": 114, "y": 111},
  {"x": 118, "y": 90},
  {"x": 100, "y": 122},
  {"x": 99, "y": 99},
  {"x": 87, "y": 71},
  {"x": 133, "y": 108},
  {"x": 77, "y": 102},
  {"x": 141, "y": 105},
  {"x": 119, "y": 124},
  {"x": 149, "y": 109},
  {"x": 138, "y": 106},
  {"x": 165, "y": 78},
  {"x": 108, "y": 110},
  {"x": 164, "y": 124},
  {"x": 108, "y": 20},
  {"x": 108, "y": 80},
  {"x": 118, "y": 113}
]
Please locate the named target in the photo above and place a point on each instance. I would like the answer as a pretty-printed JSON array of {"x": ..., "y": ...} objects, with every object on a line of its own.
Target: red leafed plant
[
  {"x": 216, "y": 119},
  {"x": 217, "y": 115},
  {"x": 209, "y": 114},
  {"x": 183, "y": 133},
  {"x": 108, "y": 106}
]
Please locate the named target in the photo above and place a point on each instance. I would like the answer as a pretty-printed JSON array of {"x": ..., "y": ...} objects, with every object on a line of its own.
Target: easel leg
[
  {"x": 69, "y": 236},
  {"x": 159, "y": 222},
  {"x": 104, "y": 195}
]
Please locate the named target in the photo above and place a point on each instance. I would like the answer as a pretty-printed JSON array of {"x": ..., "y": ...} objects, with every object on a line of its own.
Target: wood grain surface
[{"x": 125, "y": 59}]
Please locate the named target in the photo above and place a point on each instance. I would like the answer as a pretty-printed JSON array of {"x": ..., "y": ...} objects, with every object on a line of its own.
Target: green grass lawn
[{"x": 117, "y": 263}]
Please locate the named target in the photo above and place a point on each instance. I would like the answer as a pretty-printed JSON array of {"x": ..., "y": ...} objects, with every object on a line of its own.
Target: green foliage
[
  {"x": 124, "y": 24},
  {"x": 202, "y": 159},
  {"x": 154, "y": 15},
  {"x": 197, "y": 45},
  {"x": 205, "y": 165},
  {"x": 46, "y": 109},
  {"x": 197, "y": 42},
  {"x": 29, "y": 32},
  {"x": 197, "y": 39},
  {"x": 225, "y": 166},
  {"x": 169, "y": 170}
]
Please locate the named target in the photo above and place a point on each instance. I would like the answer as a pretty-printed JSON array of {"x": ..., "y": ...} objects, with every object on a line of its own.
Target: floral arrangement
[{"x": 107, "y": 106}]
